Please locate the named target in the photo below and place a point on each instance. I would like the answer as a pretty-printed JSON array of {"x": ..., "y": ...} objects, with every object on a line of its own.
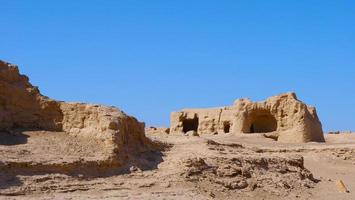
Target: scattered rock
[
  {"x": 192, "y": 133},
  {"x": 166, "y": 185},
  {"x": 212, "y": 195},
  {"x": 195, "y": 166},
  {"x": 154, "y": 130},
  {"x": 251, "y": 172},
  {"x": 273, "y": 135},
  {"x": 341, "y": 187},
  {"x": 146, "y": 185},
  {"x": 235, "y": 184},
  {"x": 134, "y": 169}
]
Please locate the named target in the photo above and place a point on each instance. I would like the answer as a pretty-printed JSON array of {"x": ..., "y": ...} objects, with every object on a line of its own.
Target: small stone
[
  {"x": 134, "y": 169},
  {"x": 81, "y": 176},
  {"x": 240, "y": 184},
  {"x": 146, "y": 185},
  {"x": 192, "y": 133},
  {"x": 212, "y": 195},
  {"x": 341, "y": 187},
  {"x": 167, "y": 185}
]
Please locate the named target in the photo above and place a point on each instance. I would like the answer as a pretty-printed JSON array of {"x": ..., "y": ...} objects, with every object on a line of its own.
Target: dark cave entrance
[
  {"x": 190, "y": 125},
  {"x": 263, "y": 123},
  {"x": 226, "y": 127}
]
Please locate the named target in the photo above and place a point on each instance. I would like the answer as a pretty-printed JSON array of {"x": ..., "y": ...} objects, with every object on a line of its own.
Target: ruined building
[
  {"x": 283, "y": 117},
  {"x": 23, "y": 107}
]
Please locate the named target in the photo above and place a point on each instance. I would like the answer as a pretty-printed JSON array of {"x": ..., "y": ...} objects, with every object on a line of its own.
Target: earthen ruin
[
  {"x": 281, "y": 117},
  {"x": 57, "y": 150},
  {"x": 23, "y": 107}
]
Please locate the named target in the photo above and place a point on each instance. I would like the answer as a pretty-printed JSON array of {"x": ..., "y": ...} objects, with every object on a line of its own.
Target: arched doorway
[
  {"x": 190, "y": 125},
  {"x": 226, "y": 126},
  {"x": 261, "y": 122}
]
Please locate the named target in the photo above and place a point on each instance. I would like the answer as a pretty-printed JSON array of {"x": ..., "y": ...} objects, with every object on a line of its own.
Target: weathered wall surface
[
  {"x": 22, "y": 106},
  {"x": 286, "y": 116},
  {"x": 108, "y": 124},
  {"x": 206, "y": 121}
]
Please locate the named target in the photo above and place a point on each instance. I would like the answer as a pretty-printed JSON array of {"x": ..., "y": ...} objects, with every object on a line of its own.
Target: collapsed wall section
[
  {"x": 23, "y": 107},
  {"x": 107, "y": 124},
  {"x": 203, "y": 121}
]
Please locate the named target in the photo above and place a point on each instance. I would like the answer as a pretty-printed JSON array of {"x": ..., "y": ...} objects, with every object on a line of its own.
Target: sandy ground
[
  {"x": 48, "y": 147},
  {"x": 207, "y": 167}
]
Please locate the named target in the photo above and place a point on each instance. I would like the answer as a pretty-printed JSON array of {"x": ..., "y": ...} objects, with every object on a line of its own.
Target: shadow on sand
[
  {"x": 8, "y": 180},
  {"x": 13, "y": 138}
]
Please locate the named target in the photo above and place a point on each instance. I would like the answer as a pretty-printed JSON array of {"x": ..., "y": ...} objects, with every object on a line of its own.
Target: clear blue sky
[{"x": 153, "y": 57}]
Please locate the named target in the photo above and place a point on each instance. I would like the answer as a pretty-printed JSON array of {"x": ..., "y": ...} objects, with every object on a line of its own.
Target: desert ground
[{"x": 184, "y": 167}]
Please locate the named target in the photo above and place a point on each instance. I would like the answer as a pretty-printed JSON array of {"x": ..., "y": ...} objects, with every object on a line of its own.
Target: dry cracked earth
[{"x": 183, "y": 167}]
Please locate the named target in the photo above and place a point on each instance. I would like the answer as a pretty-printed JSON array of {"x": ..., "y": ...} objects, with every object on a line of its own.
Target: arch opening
[
  {"x": 190, "y": 125},
  {"x": 263, "y": 123},
  {"x": 226, "y": 127}
]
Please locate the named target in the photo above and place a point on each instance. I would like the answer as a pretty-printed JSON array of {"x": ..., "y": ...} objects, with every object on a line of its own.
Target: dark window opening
[
  {"x": 252, "y": 130},
  {"x": 263, "y": 124},
  {"x": 226, "y": 127},
  {"x": 190, "y": 125}
]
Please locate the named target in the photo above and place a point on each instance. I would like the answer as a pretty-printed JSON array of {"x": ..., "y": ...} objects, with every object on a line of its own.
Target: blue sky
[{"x": 153, "y": 57}]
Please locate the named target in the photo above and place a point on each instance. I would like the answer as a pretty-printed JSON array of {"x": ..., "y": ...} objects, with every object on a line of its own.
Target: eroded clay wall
[
  {"x": 22, "y": 106},
  {"x": 102, "y": 122},
  {"x": 210, "y": 121},
  {"x": 290, "y": 119}
]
